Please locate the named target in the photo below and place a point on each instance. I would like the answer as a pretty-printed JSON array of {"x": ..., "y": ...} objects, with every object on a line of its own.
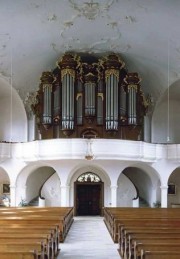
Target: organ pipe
[
  {"x": 87, "y": 96},
  {"x": 122, "y": 105},
  {"x": 112, "y": 99},
  {"x": 68, "y": 99},
  {"x": 47, "y": 88},
  {"x": 132, "y": 90},
  {"x": 47, "y": 113},
  {"x": 90, "y": 99}
]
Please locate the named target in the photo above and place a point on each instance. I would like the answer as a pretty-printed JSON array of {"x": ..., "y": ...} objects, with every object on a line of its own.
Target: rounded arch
[
  {"x": 4, "y": 188},
  {"x": 146, "y": 181},
  {"x": 31, "y": 179},
  {"x": 89, "y": 177},
  {"x": 81, "y": 168},
  {"x": 174, "y": 188},
  {"x": 13, "y": 120},
  {"x": 74, "y": 174}
]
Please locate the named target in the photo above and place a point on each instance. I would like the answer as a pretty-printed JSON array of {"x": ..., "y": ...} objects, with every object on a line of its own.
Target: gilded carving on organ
[{"x": 90, "y": 94}]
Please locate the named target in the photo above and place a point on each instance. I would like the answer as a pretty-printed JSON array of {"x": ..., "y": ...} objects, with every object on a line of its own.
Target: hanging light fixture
[{"x": 168, "y": 137}]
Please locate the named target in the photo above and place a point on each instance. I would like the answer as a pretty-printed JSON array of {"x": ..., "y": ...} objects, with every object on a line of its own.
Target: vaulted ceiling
[{"x": 35, "y": 33}]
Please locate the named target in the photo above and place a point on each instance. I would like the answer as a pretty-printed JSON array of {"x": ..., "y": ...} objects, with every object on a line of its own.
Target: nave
[{"x": 88, "y": 237}]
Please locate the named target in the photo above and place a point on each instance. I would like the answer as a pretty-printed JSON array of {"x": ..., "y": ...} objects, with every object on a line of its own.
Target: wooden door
[{"x": 88, "y": 199}]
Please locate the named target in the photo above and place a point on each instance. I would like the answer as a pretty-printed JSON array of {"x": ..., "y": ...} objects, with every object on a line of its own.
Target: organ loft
[{"x": 90, "y": 97}]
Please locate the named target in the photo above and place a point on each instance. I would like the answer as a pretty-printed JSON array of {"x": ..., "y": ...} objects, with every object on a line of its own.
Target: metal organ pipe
[
  {"x": 112, "y": 102},
  {"x": 132, "y": 118},
  {"x": 90, "y": 99},
  {"x": 122, "y": 103},
  {"x": 68, "y": 102},
  {"x": 47, "y": 113}
]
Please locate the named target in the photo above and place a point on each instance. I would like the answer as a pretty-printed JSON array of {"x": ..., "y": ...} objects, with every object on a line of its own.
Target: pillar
[
  {"x": 164, "y": 190},
  {"x": 114, "y": 196},
  {"x": 42, "y": 202},
  {"x": 13, "y": 195},
  {"x": 135, "y": 203},
  {"x": 147, "y": 128},
  {"x": 65, "y": 195}
]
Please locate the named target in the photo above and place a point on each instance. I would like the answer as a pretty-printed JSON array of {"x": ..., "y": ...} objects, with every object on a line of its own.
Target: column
[
  {"x": 164, "y": 190},
  {"x": 31, "y": 128},
  {"x": 114, "y": 196},
  {"x": 135, "y": 203},
  {"x": 13, "y": 195},
  {"x": 65, "y": 195},
  {"x": 147, "y": 128}
]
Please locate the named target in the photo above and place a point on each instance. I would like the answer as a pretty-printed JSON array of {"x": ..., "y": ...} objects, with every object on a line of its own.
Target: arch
[
  {"x": 89, "y": 177},
  {"x": 174, "y": 188},
  {"x": 74, "y": 174},
  {"x": 30, "y": 181},
  {"x": 4, "y": 188},
  {"x": 81, "y": 168},
  {"x": 146, "y": 179}
]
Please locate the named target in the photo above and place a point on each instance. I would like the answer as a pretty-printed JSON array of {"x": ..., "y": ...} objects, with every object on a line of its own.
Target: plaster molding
[
  {"x": 30, "y": 100},
  {"x": 91, "y": 10}
]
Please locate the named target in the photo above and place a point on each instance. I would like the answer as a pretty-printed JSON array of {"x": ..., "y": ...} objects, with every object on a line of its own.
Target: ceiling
[{"x": 35, "y": 33}]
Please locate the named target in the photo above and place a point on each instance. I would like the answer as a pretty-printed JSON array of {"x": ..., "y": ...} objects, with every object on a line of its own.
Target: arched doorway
[{"x": 88, "y": 195}]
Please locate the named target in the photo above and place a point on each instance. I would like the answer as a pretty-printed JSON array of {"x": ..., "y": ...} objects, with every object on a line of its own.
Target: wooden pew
[
  {"x": 19, "y": 255},
  {"x": 131, "y": 225},
  {"x": 154, "y": 231},
  {"x": 130, "y": 244},
  {"x": 52, "y": 237},
  {"x": 24, "y": 247},
  {"x": 30, "y": 225},
  {"x": 37, "y": 220},
  {"x": 65, "y": 214},
  {"x": 46, "y": 249},
  {"x": 160, "y": 255},
  {"x": 27, "y": 225},
  {"x": 141, "y": 248},
  {"x": 112, "y": 216}
]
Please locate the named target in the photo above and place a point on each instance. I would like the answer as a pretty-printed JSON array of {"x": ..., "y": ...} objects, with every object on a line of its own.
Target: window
[
  {"x": 6, "y": 188},
  {"x": 171, "y": 189}
]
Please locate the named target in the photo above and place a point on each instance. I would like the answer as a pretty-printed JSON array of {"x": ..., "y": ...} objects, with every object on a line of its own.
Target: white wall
[
  {"x": 35, "y": 181},
  {"x": 51, "y": 191},
  {"x": 13, "y": 119},
  {"x": 125, "y": 192},
  {"x": 160, "y": 122},
  {"x": 141, "y": 181}
]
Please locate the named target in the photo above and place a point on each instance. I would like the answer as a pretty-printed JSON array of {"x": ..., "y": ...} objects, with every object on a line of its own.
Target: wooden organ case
[{"x": 90, "y": 97}]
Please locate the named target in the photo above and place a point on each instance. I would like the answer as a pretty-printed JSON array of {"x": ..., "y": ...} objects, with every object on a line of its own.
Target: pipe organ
[{"x": 90, "y": 97}]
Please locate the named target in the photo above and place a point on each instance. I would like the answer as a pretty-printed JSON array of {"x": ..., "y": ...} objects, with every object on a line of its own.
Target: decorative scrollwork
[
  {"x": 111, "y": 72},
  {"x": 88, "y": 177},
  {"x": 67, "y": 71}
]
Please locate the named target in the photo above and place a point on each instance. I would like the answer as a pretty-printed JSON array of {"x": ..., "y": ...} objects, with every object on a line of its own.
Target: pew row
[
  {"x": 33, "y": 229},
  {"x": 141, "y": 231}
]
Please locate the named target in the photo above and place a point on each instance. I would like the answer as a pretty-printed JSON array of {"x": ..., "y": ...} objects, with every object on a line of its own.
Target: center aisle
[{"x": 88, "y": 238}]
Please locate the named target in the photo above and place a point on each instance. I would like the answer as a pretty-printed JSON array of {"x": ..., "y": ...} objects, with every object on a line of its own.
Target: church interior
[{"x": 89, "y": 97}]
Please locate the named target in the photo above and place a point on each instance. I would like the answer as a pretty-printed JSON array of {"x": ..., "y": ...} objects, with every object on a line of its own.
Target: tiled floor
[{"x": 88, "y": 238}]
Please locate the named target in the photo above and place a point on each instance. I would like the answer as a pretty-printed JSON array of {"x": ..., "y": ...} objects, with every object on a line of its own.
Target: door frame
[{"x": 101, "y": 201}]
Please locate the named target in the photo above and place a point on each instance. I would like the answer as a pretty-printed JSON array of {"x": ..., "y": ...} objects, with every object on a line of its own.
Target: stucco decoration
[
  {"x": 30, "y": 100},
  {"x": 5, "y": 57},
  {"x": 91, "y": 10}
]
